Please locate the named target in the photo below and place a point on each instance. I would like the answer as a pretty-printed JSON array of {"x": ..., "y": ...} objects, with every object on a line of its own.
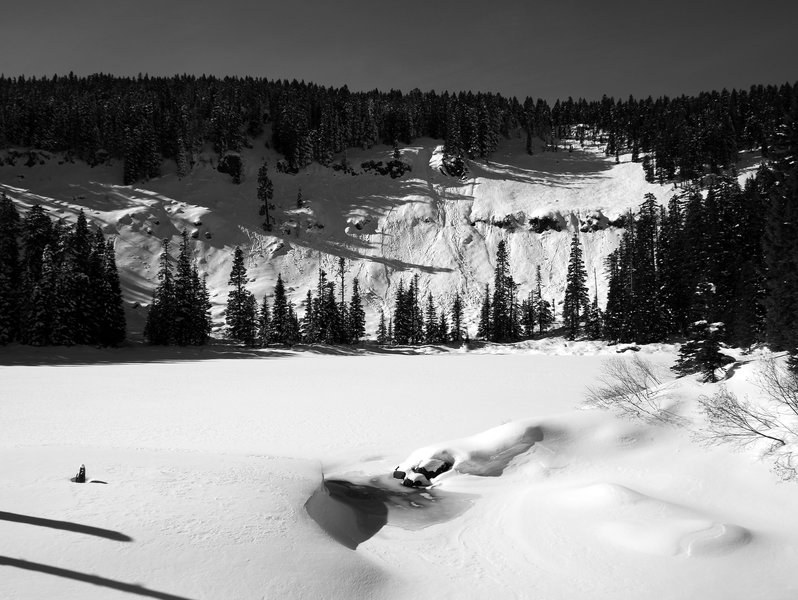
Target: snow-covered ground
[{"x": 210, "y": 456}]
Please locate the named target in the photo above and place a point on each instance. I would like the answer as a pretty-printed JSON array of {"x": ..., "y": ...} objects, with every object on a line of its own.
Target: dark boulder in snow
[{"x": 421, "y": 475}]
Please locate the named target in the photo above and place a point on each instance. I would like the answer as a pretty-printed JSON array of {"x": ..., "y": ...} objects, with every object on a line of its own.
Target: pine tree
[
  {"x": 503, "y": 324},
  {"x": 10, "y": 272},
  {"x": 594, "y": 325},
  {"x": 400, "y": 323},
  {"x": 264, "y": 323},
  {"x": 457, "y": 319},
  {"x": 528, "y": 316},
  {"x": 185, "y": 296},
  {"x": 308, "y": 326},
  {"x": 545, "y": 317},
  {"x": 112, "y": 331},
  {"x": 357, "y": 317},
  {"x": 431, "y": 320},
  {"x": 382, "y": 331},
  {"x": 280, "y": 325},
  {"x": 160, "y": 318},
  {"x": 37, "y": 232},
  {"x": 240, "y": 314},
  {"x": 780, "y": 242},
  {"x": 78, "y": 285},
  {"x": 265, "y": 194},
  {"x": 201, "y": 321},
  {"x": 701, "y": 353},
  {"x": 443, "y": 329},
  {"x": 182, "y": 159},
  {"x": 576, "y": 298},
  {"x": 416, "y": 316},
  {"x": 41, "y": 306},
  {"x": 342, "y": 333},
  {"x": 484, "y": 328}
]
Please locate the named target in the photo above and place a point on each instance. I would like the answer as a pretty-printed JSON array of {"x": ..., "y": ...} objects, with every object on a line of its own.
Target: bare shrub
[
  {"x": 632, "y": 386},
  {"x": 780, "y": 383},
  {"x": 732, "y": 420},
  {"x": 773, "y": 420}
]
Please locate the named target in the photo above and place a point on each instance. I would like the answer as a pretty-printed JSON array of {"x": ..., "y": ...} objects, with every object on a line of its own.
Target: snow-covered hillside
[{"x": 440, "y": 227}]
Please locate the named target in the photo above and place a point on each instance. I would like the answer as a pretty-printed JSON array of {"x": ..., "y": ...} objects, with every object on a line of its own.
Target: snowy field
[{"x": 210, "y": 457}]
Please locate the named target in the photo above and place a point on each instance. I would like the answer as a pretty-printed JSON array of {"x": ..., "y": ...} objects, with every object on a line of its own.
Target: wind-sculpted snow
[{"x": 211, "y": 459}]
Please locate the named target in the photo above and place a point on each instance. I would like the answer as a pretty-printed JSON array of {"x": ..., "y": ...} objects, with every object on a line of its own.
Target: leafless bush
[
  {"x": 773, "y": 419},
  {"x": 778, "y": 382},
  {"x": 730, "y": 419},
  {"x": 633, "y": 387}
]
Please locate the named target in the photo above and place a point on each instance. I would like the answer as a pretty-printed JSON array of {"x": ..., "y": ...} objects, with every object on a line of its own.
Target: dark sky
[{"x": 548, "y": 49}]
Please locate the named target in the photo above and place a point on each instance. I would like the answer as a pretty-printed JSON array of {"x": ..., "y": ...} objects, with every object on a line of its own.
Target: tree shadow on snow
[
  {"x": 65, "y": 526},
  {"x": 92, "y": 579},
  {"x": 141, "y": 353},
  {"x": 132, "y": 353}
]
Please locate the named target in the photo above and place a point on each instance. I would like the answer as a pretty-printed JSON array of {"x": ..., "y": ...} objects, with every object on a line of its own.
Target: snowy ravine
[
  {"x": 209, "y": 462},
  {"x": 441, "y": 228}
]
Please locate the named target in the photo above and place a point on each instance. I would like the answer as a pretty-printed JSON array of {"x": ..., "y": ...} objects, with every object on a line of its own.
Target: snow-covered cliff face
[{"x": 442, "y": 228}]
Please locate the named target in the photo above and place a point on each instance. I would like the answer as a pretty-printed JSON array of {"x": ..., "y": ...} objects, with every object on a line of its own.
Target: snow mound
[
  {"x": 485, "y": 454},
  {"x": 631, "y": 520}
]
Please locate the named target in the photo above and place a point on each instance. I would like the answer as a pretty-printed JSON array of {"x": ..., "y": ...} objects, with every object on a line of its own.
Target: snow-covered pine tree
[
  {"x": 701, "y": 352},
  {"x": 357, "y": 317},
  {"x": 37, "y": 232},
  {"x": 240, "y": 312},
  {"x": 576, "y": 297},
  {"x": 265, "y": 195}
]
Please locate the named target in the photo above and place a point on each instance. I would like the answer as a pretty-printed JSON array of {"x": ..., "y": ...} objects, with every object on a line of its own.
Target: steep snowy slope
[{"x": 440, "y": 227}]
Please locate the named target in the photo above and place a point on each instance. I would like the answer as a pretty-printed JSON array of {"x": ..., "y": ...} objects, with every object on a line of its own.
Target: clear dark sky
[{"x": 548, "y": 49}]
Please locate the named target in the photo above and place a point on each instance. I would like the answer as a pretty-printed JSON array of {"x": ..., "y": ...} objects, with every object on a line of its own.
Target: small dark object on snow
[
  {"x": 422, "y": 475},
  {"x": 81, "y": 476}
]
